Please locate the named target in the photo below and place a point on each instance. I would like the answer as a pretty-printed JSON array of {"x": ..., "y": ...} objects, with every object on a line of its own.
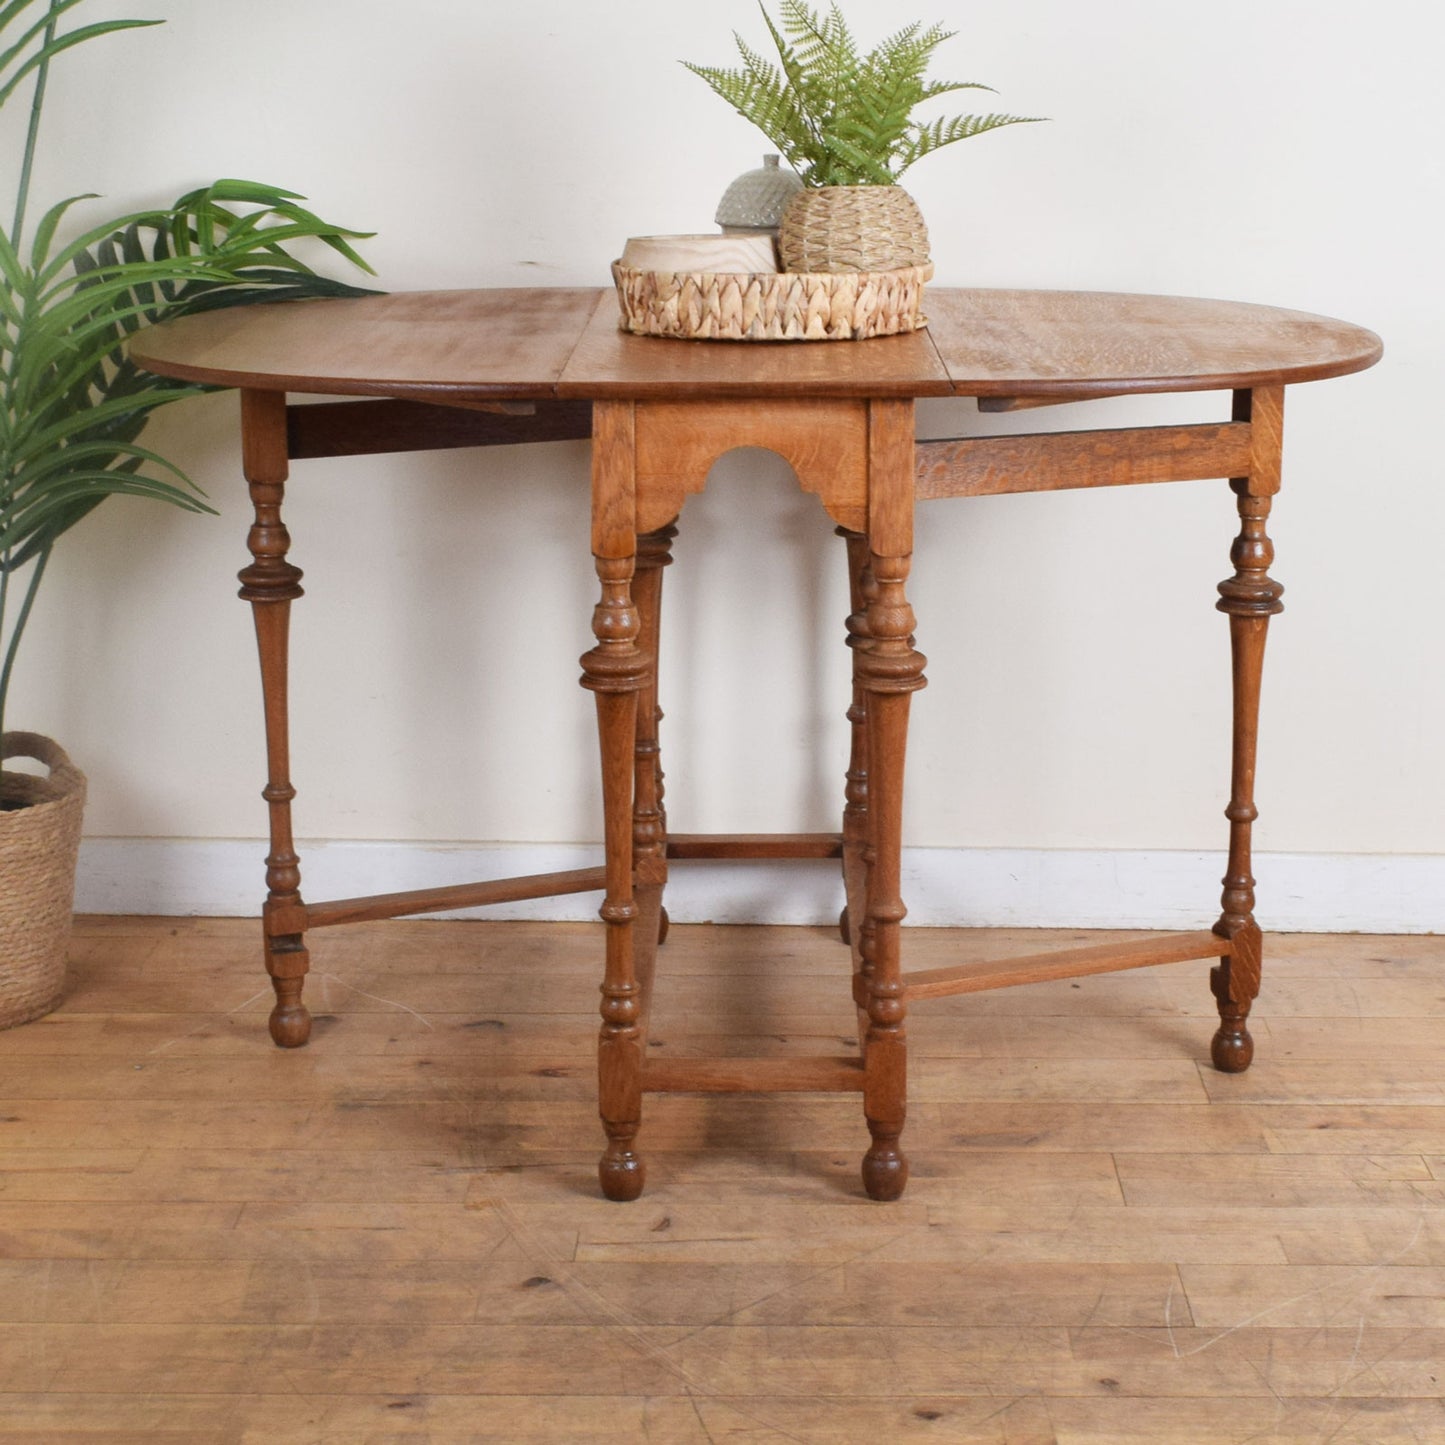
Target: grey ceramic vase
[{"x": 756, "y": 200}]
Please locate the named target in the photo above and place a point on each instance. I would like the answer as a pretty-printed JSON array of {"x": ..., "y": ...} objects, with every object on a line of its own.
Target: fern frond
[
  {"x": 813, "y": 104},
  {"x": 758, "y": 66},
  {"x": 884, "y": 99},
  {"x": 795, "y": 67},
  {"x": 856, "y": 165},
  {"x": 786, "y": 115},
  {"x": 824, "y": 43},
  {"x": 893, "y": 45},
  {"x": 934, "y": 88},
  {"x": 838, "y": 116},
  {"x": 925, "y": 139},
  {"x": 767, "y": 102}
]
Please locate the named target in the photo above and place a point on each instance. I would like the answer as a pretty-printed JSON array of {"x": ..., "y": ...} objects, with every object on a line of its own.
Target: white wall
[{"x": 1281, "y": 152}]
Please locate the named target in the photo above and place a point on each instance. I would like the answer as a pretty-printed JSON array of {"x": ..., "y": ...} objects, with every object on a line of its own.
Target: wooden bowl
[{"x": 712, "y": 252}]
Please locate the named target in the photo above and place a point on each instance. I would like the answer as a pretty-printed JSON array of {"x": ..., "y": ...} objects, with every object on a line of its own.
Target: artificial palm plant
[
  {"x": 845, "y": 118},
  {"x": 73, "y": 406}
]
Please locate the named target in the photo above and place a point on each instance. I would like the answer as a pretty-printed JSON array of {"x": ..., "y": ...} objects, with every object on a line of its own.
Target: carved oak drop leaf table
[{"x": 477, "y": 368}]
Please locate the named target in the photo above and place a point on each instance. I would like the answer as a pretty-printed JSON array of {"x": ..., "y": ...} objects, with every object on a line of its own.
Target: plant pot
[
  {"x": 852, "y": 228},
  {"x": 39, "y": 843}
]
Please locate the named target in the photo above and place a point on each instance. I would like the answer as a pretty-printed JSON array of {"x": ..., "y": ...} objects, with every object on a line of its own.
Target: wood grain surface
[
  {"x": 1057, "y": 461},
  {"x": 427, "y": 345},
  {"x": 1087, "y": 343},
  {"x": 609, "y": 363},
  {"x": 823, "y": 440},
  {"x": 397, "y": 1236},
  {"x": 455, "y": 346}
]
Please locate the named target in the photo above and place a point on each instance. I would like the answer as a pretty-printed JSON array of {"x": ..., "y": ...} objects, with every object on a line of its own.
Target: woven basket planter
[
  {"x": 852, "y": 228},
  {"x": 770, "y": 306},
  {"x": 39, "y": 841}
]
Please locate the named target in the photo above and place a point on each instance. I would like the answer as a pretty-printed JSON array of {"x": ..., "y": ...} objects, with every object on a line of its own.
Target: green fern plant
[
  {"x": 840, "y": 117},
  {"x": 72, "y": 404}
]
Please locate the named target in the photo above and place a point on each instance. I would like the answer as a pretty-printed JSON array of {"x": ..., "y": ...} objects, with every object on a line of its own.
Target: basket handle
[{"x": 42, "y": 749}]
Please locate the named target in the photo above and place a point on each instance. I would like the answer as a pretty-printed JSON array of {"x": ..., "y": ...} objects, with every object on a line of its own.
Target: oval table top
[{"x": 457, "y": 347}]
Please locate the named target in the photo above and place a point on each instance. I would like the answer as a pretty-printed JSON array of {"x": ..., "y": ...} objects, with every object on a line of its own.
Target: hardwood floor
[{"x": 395, "y": 1233}]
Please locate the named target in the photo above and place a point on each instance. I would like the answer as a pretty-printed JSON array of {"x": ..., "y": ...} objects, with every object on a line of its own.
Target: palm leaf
[
  {"x": 72, "y": 404},
  {"x": 44, "y": 53},
  {"x": 63, "y": 505},
  {"x": 53, "y": 10},
  {"x": 50, "y": 439},
  {"x": 54, "y": 267},
  {"x": 62, "y": 463}
]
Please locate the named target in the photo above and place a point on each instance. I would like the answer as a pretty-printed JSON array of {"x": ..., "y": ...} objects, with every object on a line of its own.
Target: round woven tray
[
  {"x": 39, "y": 840},
  {"x": 771, "y": 306}
]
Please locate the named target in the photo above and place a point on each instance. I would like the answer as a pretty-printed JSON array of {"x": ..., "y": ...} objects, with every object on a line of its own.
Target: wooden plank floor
[{"x": 395, "y": 1235}]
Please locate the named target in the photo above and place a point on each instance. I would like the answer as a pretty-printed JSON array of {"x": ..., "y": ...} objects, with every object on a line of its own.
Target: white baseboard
[{"x": 944, "y": 887}]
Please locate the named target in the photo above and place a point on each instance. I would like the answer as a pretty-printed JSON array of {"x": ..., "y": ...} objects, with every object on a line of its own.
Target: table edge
[{"x": 562, "y": 387}]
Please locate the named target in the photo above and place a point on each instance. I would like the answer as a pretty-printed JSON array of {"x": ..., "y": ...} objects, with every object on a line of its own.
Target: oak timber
[
  {"x": 843, "y": 417},
  {"x": 456, "y": 346},
  {"x": 1063, "y": 963},
  {"x": 458, "y": 895},
  {"x": 753, "y": 1076},
  {"x": 754, "y": 845},
  {"x": 1056, "y": 461}
]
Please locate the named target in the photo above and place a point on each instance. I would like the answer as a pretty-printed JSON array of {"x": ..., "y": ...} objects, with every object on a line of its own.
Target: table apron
[{"x": 1054, "y": 461}]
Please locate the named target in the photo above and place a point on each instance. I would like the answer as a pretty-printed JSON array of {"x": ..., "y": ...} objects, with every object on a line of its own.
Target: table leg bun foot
[
  {"x": 287, "y": 962},
  {"x": 1234, "y": 983},
  {"x": 885, "y": 1170},
  {"x": 290, "y": 1020},
  {"x": 1232, "y": 1049},
  {"x": 621, "y": 1174},
  {"x": 663, "y": 924}
]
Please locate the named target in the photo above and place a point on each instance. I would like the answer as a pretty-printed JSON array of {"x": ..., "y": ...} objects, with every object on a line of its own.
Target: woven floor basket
[
  {"x": 770, "y": 306},
  {"x": 39, "y": 842}
]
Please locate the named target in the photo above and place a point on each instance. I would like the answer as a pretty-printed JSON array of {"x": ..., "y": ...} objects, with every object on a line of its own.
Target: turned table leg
[
  {"x": 890, "y": 671},
  {"x": 1249, "y": 598},
  {"x": 616, "y": 671},
  {"x": 270, "y": 584}
]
